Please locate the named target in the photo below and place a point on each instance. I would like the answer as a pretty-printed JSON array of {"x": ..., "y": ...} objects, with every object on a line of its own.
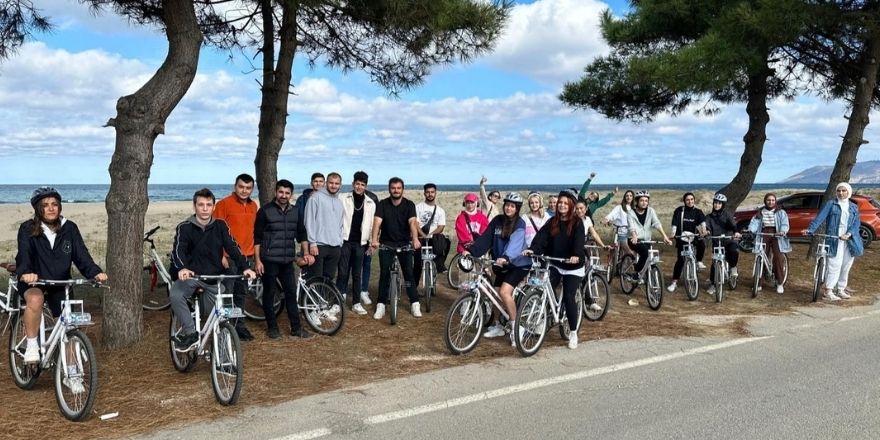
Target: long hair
[
  {"x": 509, "y": 223},
  {"x": 540, "y": 198},
  {"x": 570, "y": 217},
  {"x": 39, "y": 219},
  {"x": 627, "y": 206}
]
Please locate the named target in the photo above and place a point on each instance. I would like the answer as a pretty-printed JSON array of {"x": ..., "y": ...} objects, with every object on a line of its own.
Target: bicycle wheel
[
  {"x": 24, "y": 375},
  {"x": 430, "y": 281},
  {"x": 531, "y": 322},
  {"x": 155, "y": 290},
  {"x": 691, "y": 283},
  {"x": 731, "y": 280},
  {"x": 600, "y": 292},
  {"x": 77, "y": 386},
  {"x": 393, "y": 295},
  {"x": 818, "y": 278},
  {"x": 757, "y": 273},
  {"x": 253, "y": 300},
  {"x": 464, "y": 324},
  {"x": 564, "y": 328},
  {"x": 718, "y": 282},
  {"x": 227, "y": 365},
  {"x": 654, "y": 288},
  {"x": 323, "y": 306},
  {"x": 182, "y": 361},
  {"x": 627, "y": 265},
  {"x": 454, "y": 273},
  {"x": 784, "y": 269}
]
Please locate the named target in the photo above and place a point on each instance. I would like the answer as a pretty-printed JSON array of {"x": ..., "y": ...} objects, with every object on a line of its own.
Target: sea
[{"x": 72, "y": 193}]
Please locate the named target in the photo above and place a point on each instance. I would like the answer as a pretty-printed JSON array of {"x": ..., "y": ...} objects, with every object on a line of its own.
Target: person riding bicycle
[
  {"x": 199, "y": 245},
  {"x": 470, "y": 223},
  {"x": 687, "y": 219},
  {"x": 642, "y": 219},
  {"x": 563, "y": 237},
  {"x": 773, "y": 220},
  {"x": 841, "y": 218},
  {"x": 505, "y": 241},
  {"x": 619, "y": 217},
  {"x": 47, "y": 245},
  {"x": 721, "y": 222},
  {"x": 536, "y": 218}
]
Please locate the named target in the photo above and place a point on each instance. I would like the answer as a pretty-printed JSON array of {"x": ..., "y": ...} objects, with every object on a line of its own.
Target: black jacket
[
  {"x": 720, "y": 223},
  {"x": 561, "y": 245},
  {"x": 35, "y": 255},
  {"x": 275, "y": 231},
  {"x": 200, "y": 248}
]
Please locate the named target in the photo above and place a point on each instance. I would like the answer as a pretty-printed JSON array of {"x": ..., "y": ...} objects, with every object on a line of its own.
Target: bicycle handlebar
[
  {"x": 150, "y": 233},
  {"x": 71, "y": 282},
  {"x": 218, "y": 277},
  {"x": 824, "y": 236},
  {"x": 775, "y": 234},
  {"x": 549, "y": 258},
  {"x": 407, "y": 248}
]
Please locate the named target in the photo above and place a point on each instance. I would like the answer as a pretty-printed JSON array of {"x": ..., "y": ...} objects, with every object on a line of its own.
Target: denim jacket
[
  {"x": 781, "y": 227},
  {"x": 830, "y": 214}
]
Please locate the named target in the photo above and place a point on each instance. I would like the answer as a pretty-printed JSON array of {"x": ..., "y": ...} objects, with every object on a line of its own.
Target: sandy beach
[{"x": 92, "y": 217}]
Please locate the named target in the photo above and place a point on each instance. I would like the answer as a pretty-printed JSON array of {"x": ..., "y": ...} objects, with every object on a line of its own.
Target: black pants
[
  {"x": 237, "y": 287},
  {"x": 731, "y": 254},
  {"x": 699, "y": 250},
  {"x": 326, "y": 262},
  {"x": 570, "y": 285},
  {"x": 283, "y": 272},
  {"x": 386, "y": 258},
  {"x": 351, "y": 262},
  {"x": 641, "y": 250}
]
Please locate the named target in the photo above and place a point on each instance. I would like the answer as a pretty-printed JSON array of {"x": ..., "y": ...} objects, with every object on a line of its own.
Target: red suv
[{"x": 802, "y": 208}]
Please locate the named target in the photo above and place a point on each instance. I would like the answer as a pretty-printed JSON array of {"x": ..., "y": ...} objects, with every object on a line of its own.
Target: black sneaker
[
  {"x": 244, "y": 334},
  {"x": 274, "y": 333},
  {"x": 300, "y": 333},
  {"x": 185, "y": 342}
]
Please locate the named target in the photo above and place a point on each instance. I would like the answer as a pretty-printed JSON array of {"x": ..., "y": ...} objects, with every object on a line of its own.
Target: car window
[
  {"x": 797, "y": 202},
  {"x": 874, "y": 203}
]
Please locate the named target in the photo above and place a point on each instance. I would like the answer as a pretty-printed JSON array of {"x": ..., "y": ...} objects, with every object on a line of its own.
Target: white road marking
[{"x": 306, "y": 435}]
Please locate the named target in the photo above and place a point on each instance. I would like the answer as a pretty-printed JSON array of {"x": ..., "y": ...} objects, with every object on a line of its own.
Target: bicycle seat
[{"x": 10, "y": 267}]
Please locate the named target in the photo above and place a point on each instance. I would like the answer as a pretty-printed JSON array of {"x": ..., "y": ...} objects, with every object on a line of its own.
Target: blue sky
[{"x": 498, "y": 116}]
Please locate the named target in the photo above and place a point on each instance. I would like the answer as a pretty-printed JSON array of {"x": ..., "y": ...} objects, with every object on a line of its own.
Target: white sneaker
[
  {"x": 780, "y": 289},
  {"x": 494, "y": 331},
  {"x": 843, "y": 295},
  {"x": 32, "y": 354},
  {"x": 700, "y": 265},
  {"x": 733, "y": 272},
  {"x": 512, "y": 339},
  {"x": 365, "y": 298},
  {"x": 380, "y": 311},
  {"x": 711, "y": 290},
  {"x": 595, "y": 307},
  {"x": 75, "y": 384},
  {"x": 359, "y": 309},
  {"x": 417, "y": 309},
  {"x": 572, "y": 340},
  {"x": 671, "y": 287}
]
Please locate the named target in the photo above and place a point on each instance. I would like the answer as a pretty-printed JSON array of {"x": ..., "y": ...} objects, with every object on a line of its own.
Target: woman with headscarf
[
  {"x": 771, "y": 219},
  {"x": 687, "y": 219},
  {"x": 841, "y": 217}
]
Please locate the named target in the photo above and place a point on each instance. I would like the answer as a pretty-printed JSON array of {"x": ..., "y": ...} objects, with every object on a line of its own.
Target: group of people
[{"x": 334, "y": 235}]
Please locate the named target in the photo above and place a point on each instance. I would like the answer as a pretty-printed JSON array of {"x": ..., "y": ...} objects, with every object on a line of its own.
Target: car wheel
[{"x": 867, "y": 235}]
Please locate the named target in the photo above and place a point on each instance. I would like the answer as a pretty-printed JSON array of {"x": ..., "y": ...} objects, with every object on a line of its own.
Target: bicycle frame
[
  {"x": 760, "y": 251},
  {"x": 541, "y": 279},
  {"x": 217, "y": 315},
  {"x": 155, "y": 259},
  {"x": 9, "y": 302},
  {"x": 484, "y": 287},
  {"x": 68, "y": 320}
]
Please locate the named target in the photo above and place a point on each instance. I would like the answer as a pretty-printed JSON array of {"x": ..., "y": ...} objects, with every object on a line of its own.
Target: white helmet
[
  {"x": 720, "y": 198},
  {"x": 641, "y": 194}
]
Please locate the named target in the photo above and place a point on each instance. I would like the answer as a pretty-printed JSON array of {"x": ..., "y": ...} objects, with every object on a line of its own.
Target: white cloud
[{"x": 551, "y": 40}]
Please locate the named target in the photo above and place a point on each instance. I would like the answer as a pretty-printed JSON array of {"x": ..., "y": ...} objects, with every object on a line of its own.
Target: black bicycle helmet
[{"x": 43, "y": 192}]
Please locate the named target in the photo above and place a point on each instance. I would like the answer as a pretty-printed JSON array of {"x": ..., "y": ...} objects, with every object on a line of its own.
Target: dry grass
[{"x": 149, "y": 394}]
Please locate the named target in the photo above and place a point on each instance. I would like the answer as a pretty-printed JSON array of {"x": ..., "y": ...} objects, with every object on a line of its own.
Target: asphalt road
[{"x": 809, "y": 376}]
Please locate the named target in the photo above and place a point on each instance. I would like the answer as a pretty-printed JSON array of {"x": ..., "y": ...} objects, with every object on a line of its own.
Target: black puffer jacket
[
  {"x": 275, "y": 231},
  {"x": 35, "y": 255}
]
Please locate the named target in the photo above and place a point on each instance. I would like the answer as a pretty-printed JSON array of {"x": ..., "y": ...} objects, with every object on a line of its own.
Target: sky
[{"x": 498, "y": 116}]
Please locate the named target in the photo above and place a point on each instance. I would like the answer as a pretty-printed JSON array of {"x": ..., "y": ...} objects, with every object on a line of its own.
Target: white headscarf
[{"x": 848, "y": 187}]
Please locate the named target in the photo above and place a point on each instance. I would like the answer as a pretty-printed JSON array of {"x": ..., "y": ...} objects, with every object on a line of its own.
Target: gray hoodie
[{"x": 324, "y": 218}]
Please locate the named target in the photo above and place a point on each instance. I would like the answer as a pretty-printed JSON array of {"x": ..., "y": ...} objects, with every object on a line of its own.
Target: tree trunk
[
  {"x": 756, "y": 107},
  {"x": 139, "y": 120},
  {"x": 276, "y": 84},
  {"x": 858, "y": 118}
]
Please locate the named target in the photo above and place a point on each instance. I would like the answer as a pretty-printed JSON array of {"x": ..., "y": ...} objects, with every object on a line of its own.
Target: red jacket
[{"x": 240, "y": 216}]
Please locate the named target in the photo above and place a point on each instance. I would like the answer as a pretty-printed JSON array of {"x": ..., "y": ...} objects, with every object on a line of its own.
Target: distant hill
[{"x": 863, "y": 172}]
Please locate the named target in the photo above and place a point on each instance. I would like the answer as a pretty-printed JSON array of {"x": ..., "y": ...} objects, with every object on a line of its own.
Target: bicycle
[
  {"x": 537, "y": 303},
  {"x": 650, "y": 275},
  {"x": 429, "y": 273},
  {"x": 217, "y": 341},
  {"x": 321, "y": 303},
  {"x": 721, "y": 267},
  {"x": 614, "y": 260},
  {"x": 9, "y": 300},
  {"x": 596, "y": 286},
  {"x": 465, "y": 319},
  {"x": 691, "y": 283},
  {"x": 819, "y": 271},
  {"x": 76, "y": 368},
  {"x": 157, "y": 279},
  {"x": 395, "y": 280},
  {"x": 763, "y": 265}
]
